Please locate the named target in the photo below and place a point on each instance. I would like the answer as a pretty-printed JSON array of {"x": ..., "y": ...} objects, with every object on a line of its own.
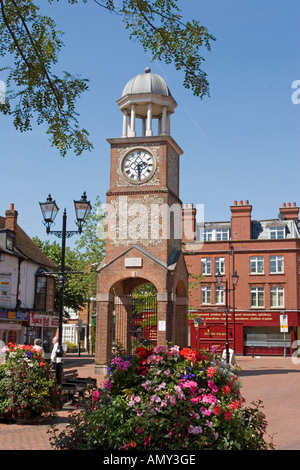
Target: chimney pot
[{"x": 11, "y": 217}]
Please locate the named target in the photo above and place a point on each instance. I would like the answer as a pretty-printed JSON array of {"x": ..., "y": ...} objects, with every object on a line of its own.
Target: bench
[
  {"x": 71, "y": 375},
  {"x": 73, "y": 384}
]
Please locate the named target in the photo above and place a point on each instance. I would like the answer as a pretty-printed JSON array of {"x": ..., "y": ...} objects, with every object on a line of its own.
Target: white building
[{"x": 26, "y": 293}]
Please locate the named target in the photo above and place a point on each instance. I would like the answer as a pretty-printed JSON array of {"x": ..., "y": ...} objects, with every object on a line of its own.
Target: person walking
[{"x": 53, "y": 353}]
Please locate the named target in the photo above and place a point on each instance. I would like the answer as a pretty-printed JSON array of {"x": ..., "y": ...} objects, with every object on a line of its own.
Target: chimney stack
[
  {"x": 188, "y": 222},
  {"x": 241, "y": 220},
  {"x": 11, "y": 217},
  {"x": 289, "y": 211}
]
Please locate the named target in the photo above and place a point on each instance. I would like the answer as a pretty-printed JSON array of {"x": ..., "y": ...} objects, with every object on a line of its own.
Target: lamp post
[
  {"x": 197, "y": 323},
  {"x": 49, "y": 210},
  {"x": 219, "y": 280}
]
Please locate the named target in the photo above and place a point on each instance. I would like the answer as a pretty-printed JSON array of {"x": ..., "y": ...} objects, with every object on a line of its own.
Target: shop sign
[
  {"x": 10, "y": 326},
  {"x": 10, "y": 315},
  {"x": 284, "y": 324},
  {"x": 42, "y": 320}
]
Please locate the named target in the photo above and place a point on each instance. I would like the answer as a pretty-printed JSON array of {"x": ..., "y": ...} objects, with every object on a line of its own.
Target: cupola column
[
  {"x": 124, "y": 132},
  {"x": 132, "y": 122},
  {"x": 149, "y": 120},
  {"x": 164, "y": 121}
]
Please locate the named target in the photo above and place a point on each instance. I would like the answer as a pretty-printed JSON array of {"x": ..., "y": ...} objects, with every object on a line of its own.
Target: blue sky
[{"x": 240, "y": 143}]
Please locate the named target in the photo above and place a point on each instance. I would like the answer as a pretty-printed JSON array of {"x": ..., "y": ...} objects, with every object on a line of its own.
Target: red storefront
[{"x": 249, "y": 333}]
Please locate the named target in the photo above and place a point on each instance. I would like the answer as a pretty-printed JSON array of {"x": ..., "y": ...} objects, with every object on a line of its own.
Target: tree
[
  {"x": 77, "y": 285},
  {"x": 91, "y": 244},
  {"x": 32, "y": 40}
]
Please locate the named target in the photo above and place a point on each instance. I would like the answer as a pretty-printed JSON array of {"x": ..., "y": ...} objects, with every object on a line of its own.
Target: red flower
[
  {"x": 227, "y": 415},
  {"x": 217, "y": 410},
  {"x": 192, "y": 355},
  {"x": 143, "y": 352},
  {"x": 42, "y": 364}
]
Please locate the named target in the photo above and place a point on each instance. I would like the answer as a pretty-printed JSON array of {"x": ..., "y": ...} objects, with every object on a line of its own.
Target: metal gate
[{"x": 143, "y": 328}]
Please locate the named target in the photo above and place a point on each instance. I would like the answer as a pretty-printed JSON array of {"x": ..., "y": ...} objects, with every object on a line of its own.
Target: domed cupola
[{"x": 146, "y": 96}]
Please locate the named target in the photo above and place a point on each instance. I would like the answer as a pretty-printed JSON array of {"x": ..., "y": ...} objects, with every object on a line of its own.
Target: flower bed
[
  {"x": 169, "y": 399},
  {"x": 27, "y": 387}
]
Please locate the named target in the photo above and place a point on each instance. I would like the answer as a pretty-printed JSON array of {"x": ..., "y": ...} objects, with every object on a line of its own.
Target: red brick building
[{"x": 263, "y": 308}]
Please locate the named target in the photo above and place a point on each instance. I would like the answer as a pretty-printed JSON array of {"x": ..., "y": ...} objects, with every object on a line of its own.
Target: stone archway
[{"x": 117, "y": 281}]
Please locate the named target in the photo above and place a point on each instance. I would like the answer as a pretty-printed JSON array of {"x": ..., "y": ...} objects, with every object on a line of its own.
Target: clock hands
[{"x": 138, "y": 165}]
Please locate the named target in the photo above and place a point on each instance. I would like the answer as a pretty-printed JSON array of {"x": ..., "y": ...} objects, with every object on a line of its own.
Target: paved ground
[{"x": 274, "y": 380}]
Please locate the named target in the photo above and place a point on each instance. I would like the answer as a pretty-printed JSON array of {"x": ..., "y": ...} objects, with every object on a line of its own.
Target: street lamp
[
  {"x": 219, "y": 281},
  {"x": 49, "y": 210}
]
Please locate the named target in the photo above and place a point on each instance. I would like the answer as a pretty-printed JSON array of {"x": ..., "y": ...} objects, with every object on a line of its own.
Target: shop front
[
  {"x": 11, "y": 326},
  {"x": 249, "y": 333},
  {"x": 43, "y": 326}
]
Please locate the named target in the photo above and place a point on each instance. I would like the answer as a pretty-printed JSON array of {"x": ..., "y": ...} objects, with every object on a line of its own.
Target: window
[
  {"x": 213, "y": 234},
  {"x": 206, "y": 295},
  {"x": 205, "y": 266},
  {"x": 276, "y": 264},
  {"x": 257, "y": 297},
  {"x": 207, "y": 235},
  {"x": 219, "y": 265},
  {"x": 277, "y": 232},
  {"x": 277, "y": 297},
  {"x": 220, "y": 295},
  {"x": 256, "y": 264},
  {"x": 10, "y": 241},
  {"x": 40, "y": 293},
  {"x": 222, "y": 234}
]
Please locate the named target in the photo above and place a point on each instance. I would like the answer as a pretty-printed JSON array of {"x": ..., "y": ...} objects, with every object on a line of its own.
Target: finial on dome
[{"x": 147, "y": 70}]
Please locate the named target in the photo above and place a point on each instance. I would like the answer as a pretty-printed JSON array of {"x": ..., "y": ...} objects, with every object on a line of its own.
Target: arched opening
[{"x": 134, "y": 315}]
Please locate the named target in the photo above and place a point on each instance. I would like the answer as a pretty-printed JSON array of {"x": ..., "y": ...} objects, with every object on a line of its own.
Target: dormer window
[
  {"x": 10, "y": 241},
  {"x": 277, "y": 232}
]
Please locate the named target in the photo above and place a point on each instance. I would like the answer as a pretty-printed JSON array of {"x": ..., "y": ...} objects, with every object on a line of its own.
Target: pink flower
[
  {"x": 212, "y": 386},
  {"x": 96, "y": 395},
  {"x": 195, "y": 429},
  {"x": 160, "y": 349},
  {"x": 172, "y": 400},
  {"x": 154, "y": 358},
  {"x": 174, "y": 351},
  {"x": 191, "y": 384},
  {"x": 107, "y": 384}
]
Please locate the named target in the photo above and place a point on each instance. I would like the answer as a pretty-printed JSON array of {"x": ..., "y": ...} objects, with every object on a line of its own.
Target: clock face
[{"x": 138, "y": 166}]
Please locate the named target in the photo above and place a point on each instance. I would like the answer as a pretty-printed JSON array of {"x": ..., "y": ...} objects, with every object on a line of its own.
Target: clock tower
[{"x": 143, "y": 220}]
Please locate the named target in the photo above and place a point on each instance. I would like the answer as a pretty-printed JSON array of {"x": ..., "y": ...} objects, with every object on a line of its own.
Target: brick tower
[{"x": 143, "y": 221}]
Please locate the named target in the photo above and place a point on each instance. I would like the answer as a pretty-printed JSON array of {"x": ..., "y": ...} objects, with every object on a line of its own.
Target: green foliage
[
  {"x": 32, "y": 43},
  {"x": 27, "y": 387},
  {"x": 159, "y": 27},
  {"x": 75, "y": 292},
  {"x": 166, "y": 399}
]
